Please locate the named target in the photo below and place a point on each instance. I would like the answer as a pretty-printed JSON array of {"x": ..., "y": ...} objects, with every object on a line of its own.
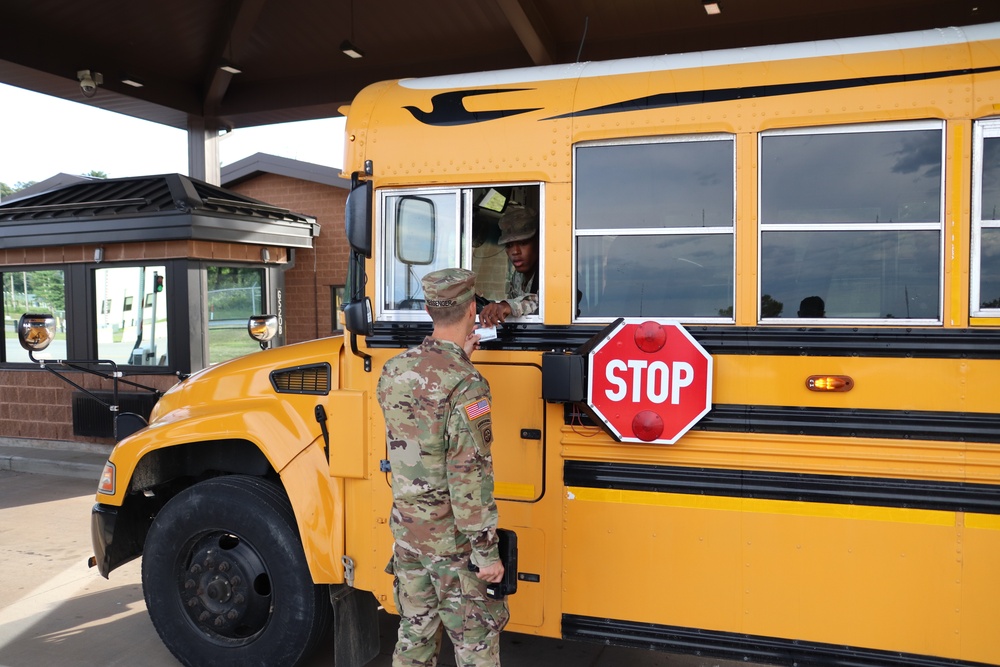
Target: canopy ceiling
[{"x": 292, "y": 67}]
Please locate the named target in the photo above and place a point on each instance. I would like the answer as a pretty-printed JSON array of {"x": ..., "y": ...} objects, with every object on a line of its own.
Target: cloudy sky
[{"x": 43, "y": 136}]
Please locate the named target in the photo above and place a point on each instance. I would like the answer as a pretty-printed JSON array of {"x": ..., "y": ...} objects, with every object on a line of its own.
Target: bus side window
[
  {"x": 421, "y": 235},
  {"x": 501, "y": 214},
  {"x": 654, "y": 224},
  {"x": 489, "y": 261},
  {"x": 650, "y": 276}
]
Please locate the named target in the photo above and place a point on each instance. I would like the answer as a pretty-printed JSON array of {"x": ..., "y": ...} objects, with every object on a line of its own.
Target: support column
[{"x": 203, "y": 152}]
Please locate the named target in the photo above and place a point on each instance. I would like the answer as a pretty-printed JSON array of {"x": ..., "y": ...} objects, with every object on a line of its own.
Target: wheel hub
[{"x": 225, "y": 588}]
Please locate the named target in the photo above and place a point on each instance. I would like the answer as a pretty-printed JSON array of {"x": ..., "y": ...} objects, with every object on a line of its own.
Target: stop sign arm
[{"x": 564, "y": 373}]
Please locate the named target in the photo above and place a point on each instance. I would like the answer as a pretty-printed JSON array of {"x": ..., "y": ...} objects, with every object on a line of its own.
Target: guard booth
[{"x": 156, "y": 274}]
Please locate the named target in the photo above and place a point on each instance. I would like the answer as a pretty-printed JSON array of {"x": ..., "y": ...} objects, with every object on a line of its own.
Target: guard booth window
[
  {"x": 131, "y": 314},
  {"x": 654, "y": 228},
  {"x": 234, "y": 294},
  {"x": 34, "y": 291}
]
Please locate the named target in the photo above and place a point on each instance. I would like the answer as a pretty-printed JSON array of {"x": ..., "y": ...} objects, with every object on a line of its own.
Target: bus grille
[{"x": 313, "y": 379}]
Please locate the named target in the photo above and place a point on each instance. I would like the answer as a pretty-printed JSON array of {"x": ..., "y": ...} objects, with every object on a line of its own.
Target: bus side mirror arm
[{"x": 358, "y": 353}]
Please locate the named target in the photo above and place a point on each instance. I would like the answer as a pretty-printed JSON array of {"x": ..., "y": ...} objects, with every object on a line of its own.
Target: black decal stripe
[
  {"x": 854, "y": 423},
  {"x": 938, "y": 343},
  {"x": 835, "y": 422},
  {"x": 687, "y": 98},
  {"x": 449, "y": 108},
  {"x": 835, "y": 489},
  {"x": 741, "y": 647}
]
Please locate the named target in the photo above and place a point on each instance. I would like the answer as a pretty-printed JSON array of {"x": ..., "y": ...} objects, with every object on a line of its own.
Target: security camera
[{"x": 89, "y": 82}]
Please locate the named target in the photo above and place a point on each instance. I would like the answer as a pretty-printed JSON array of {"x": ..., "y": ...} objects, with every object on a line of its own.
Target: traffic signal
[{"x": 157, "y": 283}]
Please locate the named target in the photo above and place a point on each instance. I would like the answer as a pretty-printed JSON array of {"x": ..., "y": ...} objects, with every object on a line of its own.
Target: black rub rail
[
  {"x": 742, "y": 647},
  {"x": 796, "y": 487},
  {"x": 776, "y": 341}
]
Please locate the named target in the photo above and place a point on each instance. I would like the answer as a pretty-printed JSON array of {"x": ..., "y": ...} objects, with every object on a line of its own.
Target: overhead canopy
[
  {"x": 292, "y": 67},
  {"x": 149, "y": 208}
]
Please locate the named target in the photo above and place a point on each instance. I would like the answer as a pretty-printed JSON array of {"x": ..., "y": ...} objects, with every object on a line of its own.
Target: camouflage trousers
[{"x": 436, "y": 591}]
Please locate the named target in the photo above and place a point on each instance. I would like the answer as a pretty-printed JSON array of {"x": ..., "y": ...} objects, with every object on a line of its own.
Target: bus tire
[{"x": 225, "y": 578}]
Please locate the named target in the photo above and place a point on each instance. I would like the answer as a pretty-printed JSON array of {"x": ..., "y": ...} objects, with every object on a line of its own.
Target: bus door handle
[{"x": 531, "y": 434}]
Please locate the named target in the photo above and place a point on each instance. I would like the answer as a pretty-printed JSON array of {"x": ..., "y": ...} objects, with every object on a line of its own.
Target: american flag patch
[{"x": 478, "y": 409}]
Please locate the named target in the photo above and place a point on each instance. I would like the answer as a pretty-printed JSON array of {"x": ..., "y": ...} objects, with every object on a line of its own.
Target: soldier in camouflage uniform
[
  {"x": 519, "y": 237},
  {"x": 439, "y": 431}
]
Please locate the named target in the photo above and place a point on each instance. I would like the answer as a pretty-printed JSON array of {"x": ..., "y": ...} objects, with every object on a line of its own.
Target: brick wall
[
  {"x": 36, "y": 404},
  {"x": 308, "y": 284}
]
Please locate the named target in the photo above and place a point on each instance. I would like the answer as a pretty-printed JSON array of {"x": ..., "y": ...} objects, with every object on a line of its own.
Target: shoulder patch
[{"x": 478, "y": 408}]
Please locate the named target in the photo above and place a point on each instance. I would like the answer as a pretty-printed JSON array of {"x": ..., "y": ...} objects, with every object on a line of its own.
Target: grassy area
[{"x": 229, "y": 342}]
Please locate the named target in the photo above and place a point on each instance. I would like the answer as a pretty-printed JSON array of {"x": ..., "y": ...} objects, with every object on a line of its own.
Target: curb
[
  {"x": 46, "y": 467},
  {"x": 52, "y": 462}
]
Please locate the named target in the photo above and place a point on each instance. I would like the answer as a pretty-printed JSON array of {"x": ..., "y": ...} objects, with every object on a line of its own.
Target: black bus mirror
[
  {"x": 358, "y": 219},
  {"x": 358, "y": 317}
]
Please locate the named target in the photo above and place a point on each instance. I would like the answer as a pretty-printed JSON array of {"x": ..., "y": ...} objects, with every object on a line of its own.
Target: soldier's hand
[
  {"x": 494, "y": 313},
  {"x": 491, "y": 573},
  {"x": 471, "y": 344}
]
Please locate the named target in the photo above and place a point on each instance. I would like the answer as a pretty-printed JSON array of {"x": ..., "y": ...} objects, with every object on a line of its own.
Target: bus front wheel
[{"x": 226, "y": 580}]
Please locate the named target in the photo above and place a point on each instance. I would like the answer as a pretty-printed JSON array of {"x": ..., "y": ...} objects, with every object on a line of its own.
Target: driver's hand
[{"x": 494, "y": 313}]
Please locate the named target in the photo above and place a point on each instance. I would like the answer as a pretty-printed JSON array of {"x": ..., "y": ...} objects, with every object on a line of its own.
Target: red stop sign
[{"x": 649, "y": 381}]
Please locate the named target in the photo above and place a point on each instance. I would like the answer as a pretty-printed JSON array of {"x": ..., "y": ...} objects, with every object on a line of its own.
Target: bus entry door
[{"x": 518, "y": 430}]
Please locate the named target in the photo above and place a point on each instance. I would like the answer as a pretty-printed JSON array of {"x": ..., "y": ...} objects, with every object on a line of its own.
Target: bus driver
[{"x": 519, "y": 237}]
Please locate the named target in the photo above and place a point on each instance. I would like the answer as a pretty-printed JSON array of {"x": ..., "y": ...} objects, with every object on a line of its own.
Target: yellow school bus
[{"x": 817, "y": 223}]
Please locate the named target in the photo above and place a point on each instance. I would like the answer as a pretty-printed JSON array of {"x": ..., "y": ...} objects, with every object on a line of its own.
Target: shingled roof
[{"x": 149, "y": 208}]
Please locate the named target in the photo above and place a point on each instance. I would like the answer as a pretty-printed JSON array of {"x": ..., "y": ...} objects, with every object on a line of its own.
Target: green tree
[
  {"x": 769, "y": 307},
  {"x": 222, "y": 277},
  {"x": 7, "y": 190},
  {"x": 49, "y": 288}
]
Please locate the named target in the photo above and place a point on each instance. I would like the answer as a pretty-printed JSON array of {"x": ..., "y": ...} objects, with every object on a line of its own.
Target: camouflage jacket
[
  {"x": 521, "y": 296},
  {"x": 438, "y": 432}
]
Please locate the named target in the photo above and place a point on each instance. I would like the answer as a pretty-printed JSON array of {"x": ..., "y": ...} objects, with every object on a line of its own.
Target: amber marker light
[
  {"x": 107, "y": 483},
  {"x": 826, "y": 383}
]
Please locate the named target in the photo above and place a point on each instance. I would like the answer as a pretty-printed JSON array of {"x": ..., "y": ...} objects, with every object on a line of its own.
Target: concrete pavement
[
  {"x": 54, "y": 610},
  {"x": 48, "y": 457}
]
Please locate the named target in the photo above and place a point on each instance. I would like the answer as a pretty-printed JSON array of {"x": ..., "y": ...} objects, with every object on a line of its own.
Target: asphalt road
[{"x": 55, "y": 611}]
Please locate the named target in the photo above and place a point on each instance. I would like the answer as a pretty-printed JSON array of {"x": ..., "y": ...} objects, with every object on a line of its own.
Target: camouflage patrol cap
[
  {"x": 448, "y": 287},
  {"x": 518, "y": 224}
]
